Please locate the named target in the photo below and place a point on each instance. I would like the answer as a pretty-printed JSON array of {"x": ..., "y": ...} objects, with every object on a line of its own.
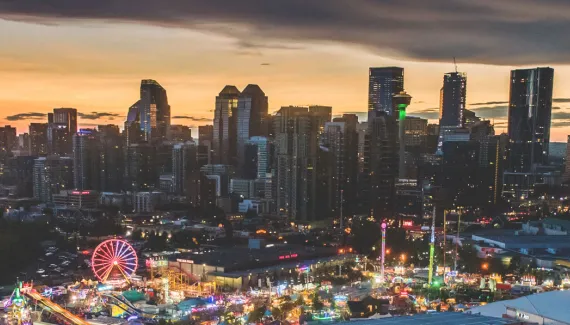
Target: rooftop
[
  {"x": 437, "y": 319},
  {"x": 242, "y": 258},
  {"x": 526, "y": 241},
  {"x": 552, "y": 305}
]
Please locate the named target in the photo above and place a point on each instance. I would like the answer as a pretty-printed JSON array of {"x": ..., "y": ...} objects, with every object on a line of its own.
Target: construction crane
[{"x": 455, "y": 64}]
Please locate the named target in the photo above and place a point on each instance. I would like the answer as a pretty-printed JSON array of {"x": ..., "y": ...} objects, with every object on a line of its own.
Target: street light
[{"x": 485, "y": 266}]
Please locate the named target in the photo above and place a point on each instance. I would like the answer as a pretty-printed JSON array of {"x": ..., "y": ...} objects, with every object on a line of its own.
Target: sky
[{"x": 91, "y": 55}]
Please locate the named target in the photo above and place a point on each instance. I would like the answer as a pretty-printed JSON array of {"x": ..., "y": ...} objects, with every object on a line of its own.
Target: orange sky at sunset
[{"x": 97, "y": 67}]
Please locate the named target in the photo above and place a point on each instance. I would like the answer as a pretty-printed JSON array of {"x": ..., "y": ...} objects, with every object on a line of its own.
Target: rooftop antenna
[{"x": 455, "y": 63}]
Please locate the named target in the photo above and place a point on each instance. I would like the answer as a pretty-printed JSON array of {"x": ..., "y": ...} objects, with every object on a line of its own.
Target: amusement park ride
[{"x": 114, "y": 263}]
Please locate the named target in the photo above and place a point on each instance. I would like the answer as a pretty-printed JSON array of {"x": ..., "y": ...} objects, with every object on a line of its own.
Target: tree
[
  {"x": 365, "y": 235},
  {"x": 468, "y": 259},
  {"x": 286, "y": 308},
  {"x": 515, "y": 264},
  {"x": 256, "y": 315},
  {"x": 317, "y": 303},
  {"x": 300, "y": 301},
  {"x": 137, "y": 235}
]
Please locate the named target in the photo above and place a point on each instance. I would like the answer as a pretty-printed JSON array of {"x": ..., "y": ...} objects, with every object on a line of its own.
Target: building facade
[{"x": 383, "y": 84}]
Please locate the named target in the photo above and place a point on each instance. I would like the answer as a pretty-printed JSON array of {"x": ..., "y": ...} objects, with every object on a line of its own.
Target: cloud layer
[
  {"x": 191, "y": 118},
  {"x": 505, "y": 32},
  {"x": 26, "y": 116}
]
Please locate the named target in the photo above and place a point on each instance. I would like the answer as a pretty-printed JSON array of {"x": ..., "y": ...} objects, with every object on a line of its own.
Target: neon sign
[{"x": 286, "y": 257}]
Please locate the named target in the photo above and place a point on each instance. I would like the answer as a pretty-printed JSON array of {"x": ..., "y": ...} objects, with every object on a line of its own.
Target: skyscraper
[
  {"x": 381, "y": 164},
  {"x": 453, "y": 97},
  {"x": 67, "y": 117},
  {"x": 154, "y": 110},
  {"x": 225, "y": 128},
  {"x": 296, "y": 147},
  {"x": 451, "y": 106},
  {"x": 112, "y": 158},
  {"x": 179, "y": 133},
  {"x": 185, "y": 169},
  {"x": 566, "y": 175},
  {"x": 383, "y": 83},
  {"x": 8, "y": 139},
  {"x": 52, "y": 174},
  {"x": 133, "y": 132},
  {"x": 251, "y": 112},
  {"x": 263, "y": 151},
  {"x": 86, "y": 160},
  {"x": 205, "y": 133},
  {"x": 530, "y": 109},
  {"x": 62, "y": 125},
  {"x": 141, "y": 171}
]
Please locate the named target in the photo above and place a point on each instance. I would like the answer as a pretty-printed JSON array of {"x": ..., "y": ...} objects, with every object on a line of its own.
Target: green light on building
[{"x": 402, "y": 109}]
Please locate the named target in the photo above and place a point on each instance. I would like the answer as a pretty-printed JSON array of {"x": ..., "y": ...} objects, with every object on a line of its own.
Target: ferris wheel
[{"x": 114, "y": 260}]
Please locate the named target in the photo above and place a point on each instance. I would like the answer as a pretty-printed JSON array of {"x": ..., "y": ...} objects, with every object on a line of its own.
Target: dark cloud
[
  {"x": 561, "y": 100},
  {"x": 497, "y": 111},
  {"x": 192, "y": 118},
  {"x": 506, "y": 32},
  {"x": 488, "y": 103},
  {"x": 560, "y": 115},
  {"x": 559, "y": 124},
  {"x": 97, "y": 115},
  {"x": 26, "y": 116}
]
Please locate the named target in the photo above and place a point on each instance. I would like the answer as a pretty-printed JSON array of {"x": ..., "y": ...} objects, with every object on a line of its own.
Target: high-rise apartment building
[
  {"x": 38, "y": 138},
  {"x": 381, "y": 164},
  {"x": 154, "y": 111},
  {"x": 415, "y": 131},
  {"x": 185, "y": 170},
  {"x": 322, "y": 115},
  {"x": 225, "y": 128},
  {"x": 205, "y": 134},
  {"x": 340, "y": 142},
  {"x": 67, "y": 117},
  {"x": 296, "y": 146},
  {"x": 8, "y": 139},
  {"x": 251, "y": 112},
  {"x": 530, "y": 109},
  {"x": 86, "y": 160},
  {"x": 179, "y": 133},
  {"x": 263, "y": 151},
  {"x": 52, "y": 174},
  {"x": 62, "y": 124},
  {"x": 112, "y": 158},
  {"x": 566, "y": 176},
  {"x": 383, "y": 84},
  {"x": 141, "y": 171}
]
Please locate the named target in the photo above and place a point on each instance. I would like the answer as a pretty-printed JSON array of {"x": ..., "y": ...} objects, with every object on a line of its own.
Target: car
[
  {"x": 49, "y": 254},
  {"x": 65, "y": 263},
  {"x": 53, "y": 266},
  {"x": 40, "y": 271},
  {"x": 44, "y": 275}
]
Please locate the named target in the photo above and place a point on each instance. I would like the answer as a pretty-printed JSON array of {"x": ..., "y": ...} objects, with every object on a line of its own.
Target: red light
[
  {"x": 408, "y": 223},
  {"x": 281, "y": 257},
  {"x": 293, "y": 255}
]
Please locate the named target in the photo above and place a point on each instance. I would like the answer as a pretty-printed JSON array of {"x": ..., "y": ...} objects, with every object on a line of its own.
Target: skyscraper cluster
[{"x": 300, "y": 162}]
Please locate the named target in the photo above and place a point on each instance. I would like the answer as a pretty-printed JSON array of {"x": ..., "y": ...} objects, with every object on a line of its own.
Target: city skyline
[{"x": 304, "y": 69}]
